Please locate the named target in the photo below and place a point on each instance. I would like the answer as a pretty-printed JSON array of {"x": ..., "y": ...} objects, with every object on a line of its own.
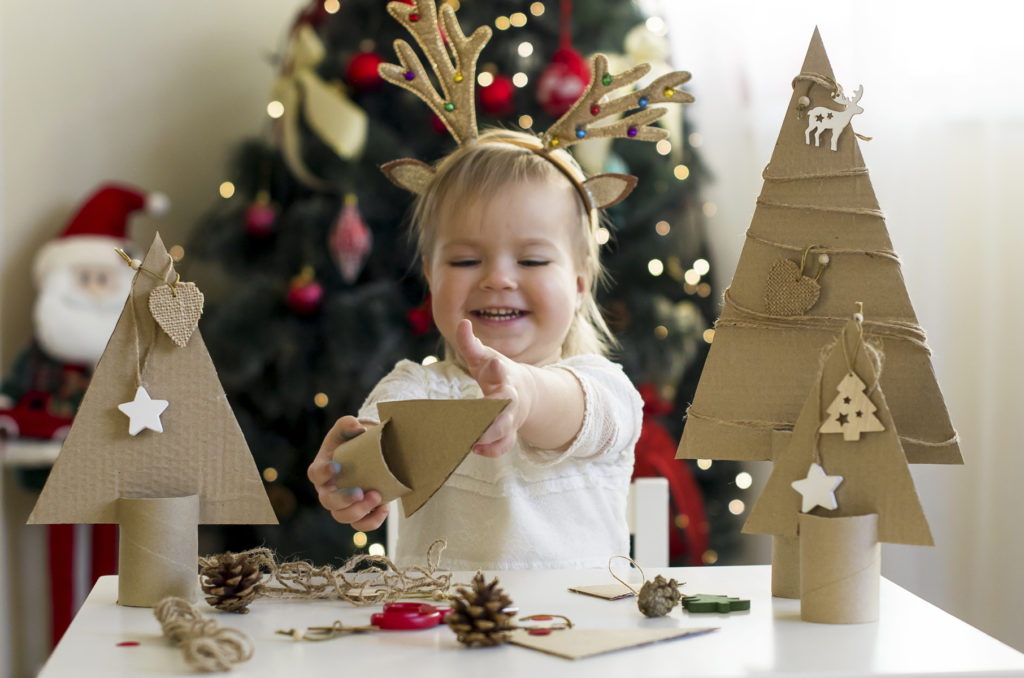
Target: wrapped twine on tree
[
  {"x": 206, "y": 645},
  {"x": 362, "y": 580}
]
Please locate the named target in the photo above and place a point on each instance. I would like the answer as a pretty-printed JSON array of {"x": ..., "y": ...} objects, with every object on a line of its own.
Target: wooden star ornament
[
  {"x": 143, "y": 412},
  {"x": 817, "y": 489}
]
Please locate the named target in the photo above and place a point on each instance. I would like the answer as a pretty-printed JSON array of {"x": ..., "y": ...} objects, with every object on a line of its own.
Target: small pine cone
[
  {"x": 658, "y": 597},
  {"x": 231, "y": 582},
  {"x": 478, "y": 616}
]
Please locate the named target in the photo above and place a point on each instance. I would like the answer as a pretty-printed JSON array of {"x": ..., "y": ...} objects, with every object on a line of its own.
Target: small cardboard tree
[
  {"x": 155, "y": 447},
  {"x": 817, "y": 243},
  {"x": 842, "y": 494}
]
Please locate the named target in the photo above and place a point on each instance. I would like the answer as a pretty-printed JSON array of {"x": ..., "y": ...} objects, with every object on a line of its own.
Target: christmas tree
[{"x": 312, "y": 291}]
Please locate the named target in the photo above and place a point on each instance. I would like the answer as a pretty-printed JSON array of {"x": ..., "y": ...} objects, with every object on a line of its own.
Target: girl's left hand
[{"x": 501, "y": 378}]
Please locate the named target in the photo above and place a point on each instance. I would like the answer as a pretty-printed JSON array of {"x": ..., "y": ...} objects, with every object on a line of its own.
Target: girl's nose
[{"x": 498, "y": 276}]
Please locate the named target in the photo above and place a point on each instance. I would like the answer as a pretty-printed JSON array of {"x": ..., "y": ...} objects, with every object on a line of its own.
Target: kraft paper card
[
  {"x": 873, "y": 468},
  {"x": 840, "y": 569},
  {"x": 605, "y": 591},
  {"x": 786, "y": 302},
  {"x": 200, "y": 449},
  {"x": 581, "y": 643},
  {"x": 418, "y": 444}
]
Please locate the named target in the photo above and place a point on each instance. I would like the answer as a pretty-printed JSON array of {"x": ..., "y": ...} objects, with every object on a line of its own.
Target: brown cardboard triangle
[
  {"x": 580, "y": 643},
  {"x": 761, "y": 365},
  {"x": 201, "y": 450},
  {"x": 876, "y": 478}
]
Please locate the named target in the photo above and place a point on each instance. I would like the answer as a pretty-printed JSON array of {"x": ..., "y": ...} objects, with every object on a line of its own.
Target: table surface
[{"x": 911, "y": 638}]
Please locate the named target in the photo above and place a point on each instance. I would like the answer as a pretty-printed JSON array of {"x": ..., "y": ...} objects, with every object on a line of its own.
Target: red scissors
[{"x": 408, "y": 616}]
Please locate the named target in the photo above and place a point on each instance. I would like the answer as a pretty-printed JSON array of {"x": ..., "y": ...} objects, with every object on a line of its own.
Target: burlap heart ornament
[
  {"x": 177, "y": 310},
  {"x": 789, "y": 292}
]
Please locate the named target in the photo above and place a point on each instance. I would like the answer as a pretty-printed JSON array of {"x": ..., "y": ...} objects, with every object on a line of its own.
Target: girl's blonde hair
[{"x": 496, "y": 158}]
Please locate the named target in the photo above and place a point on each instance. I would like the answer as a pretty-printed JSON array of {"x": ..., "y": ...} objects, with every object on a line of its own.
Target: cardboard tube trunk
[
  {"x": 785, "y": 567},
  {"x": 159, "y": 550},
  {"x": 840, "y": 567}
]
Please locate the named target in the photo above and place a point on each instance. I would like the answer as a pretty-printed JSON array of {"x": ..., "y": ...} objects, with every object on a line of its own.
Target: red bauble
[
  {"x": 562, "y": 82},
  {"x": 437, "y": 124},
  {"x": 496, "y": 98},
  {"x": 305, "y": 294},
  {"x": 361, "y": 71},
  {"x": 260, "y": 218},
  {"x": 421, "y": 318}
]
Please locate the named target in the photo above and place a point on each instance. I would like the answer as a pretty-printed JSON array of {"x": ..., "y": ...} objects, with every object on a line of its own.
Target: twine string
[
  {"x": 881, "y": 254},
  {"x": 635, "y": 564},
  {"x": 206, "y": 645}
]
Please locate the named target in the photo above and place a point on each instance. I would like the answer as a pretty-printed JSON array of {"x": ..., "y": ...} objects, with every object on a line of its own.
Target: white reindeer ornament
[{"x": 821, "y": 118}]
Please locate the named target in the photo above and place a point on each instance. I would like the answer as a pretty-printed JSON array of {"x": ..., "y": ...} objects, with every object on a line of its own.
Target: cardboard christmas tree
[
  {"x": 817, "y": 243},
  {"x": 155, "y": 446},
  {"x": 843, "y": 485}
]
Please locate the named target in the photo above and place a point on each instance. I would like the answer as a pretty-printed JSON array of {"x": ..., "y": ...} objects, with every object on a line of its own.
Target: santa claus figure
[{"x": 83, "y": 284}]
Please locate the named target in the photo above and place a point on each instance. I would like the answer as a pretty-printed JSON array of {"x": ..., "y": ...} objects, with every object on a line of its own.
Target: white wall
[
  {"x": 944, "y": 103},
  {"x": 151, "y": 93}
]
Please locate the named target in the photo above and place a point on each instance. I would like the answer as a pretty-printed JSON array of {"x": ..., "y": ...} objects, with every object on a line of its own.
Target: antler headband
[{"x": 592, "y": 116}]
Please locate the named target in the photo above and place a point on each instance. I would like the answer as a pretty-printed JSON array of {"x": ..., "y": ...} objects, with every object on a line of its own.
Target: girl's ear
[
  {"x": 581, "y": 291},
  {"x": 412, "y": 175},
  {"x": 608, "y": 189}
]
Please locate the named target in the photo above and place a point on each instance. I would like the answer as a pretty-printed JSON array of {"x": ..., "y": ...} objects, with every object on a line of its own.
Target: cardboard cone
[
  {"x": 158, "y": 548},
  {"x": 840, "y": 566},
  {"x": 785, "y": 567}
]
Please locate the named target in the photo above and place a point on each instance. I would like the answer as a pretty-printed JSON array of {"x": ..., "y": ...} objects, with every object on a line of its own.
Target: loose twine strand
[
  {"x": 379, "y": 579},
  {"x": 136, "y": 265},
  {"x": 207, "y": 646},
  {"x": 635, "y": 564}
]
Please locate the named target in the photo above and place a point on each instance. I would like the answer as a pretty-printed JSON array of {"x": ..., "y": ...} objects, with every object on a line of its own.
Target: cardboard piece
[
  {"x": 417, "y": 446},
  {"x": 201, "y": 450},
  {"x": 762, "y": 363},
  {"x": 604, "y": 591},
  {"x": 785, "y": 566},
  {"x": 580, "y": 643},
  {"x": 840, "y": 568},
  {"x": 158, "y": 545},
  {"x": 876, "y": 478}
]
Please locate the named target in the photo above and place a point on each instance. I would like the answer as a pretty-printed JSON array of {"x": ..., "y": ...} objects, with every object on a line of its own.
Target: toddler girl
[{"x": 507, "y": 240}]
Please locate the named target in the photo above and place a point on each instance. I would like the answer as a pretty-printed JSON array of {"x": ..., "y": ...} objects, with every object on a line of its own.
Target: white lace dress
[{"x": 528, "y": 508}]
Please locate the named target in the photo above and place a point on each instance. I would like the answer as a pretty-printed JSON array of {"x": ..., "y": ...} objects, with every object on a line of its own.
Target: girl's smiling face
[{"x": 506, "y": 263}]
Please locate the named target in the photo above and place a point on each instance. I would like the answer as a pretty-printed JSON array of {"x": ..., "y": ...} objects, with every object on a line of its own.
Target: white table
[{"x": 912, "y": 637}]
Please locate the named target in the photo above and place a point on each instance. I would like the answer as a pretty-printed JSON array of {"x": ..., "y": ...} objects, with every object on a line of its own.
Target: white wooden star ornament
[
  {"x": 817, "y": 489},
  {"x": 143, "y": 412}
]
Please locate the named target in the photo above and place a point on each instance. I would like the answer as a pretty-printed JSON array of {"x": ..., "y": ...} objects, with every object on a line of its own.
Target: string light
[
  {"x": 703, "y": 464},
  {"x": 736, "y": 507},
  {"x": 502, "y": 23},
  {"x": 696, "y": 140},
  {"x": 525, "y": 121},
  {"x": 485, "y": 79},
  {"x": 656, "y": 267},
  {"x": 682, "y": 521},
  {"x": 702, "y": 266},
  {"x": 520, "y": 79},
  {"x": 662, "y": 228},
  {"x": 660, "y": 332},
  {"x": 537, "y": 9},
  {"x": 275, "y": 109},
  {"x": 429, "y": 360},
  {"x": 709, "y": 335},
  {"x": 359, "y": 539},
  {"x": 376, "y": 549},
  {"x": 227, "y": 189},
  {"x": 663, "y": 147},
  {"x": 704, "y": 290},
  {"x": 681, "y": 172},
  {"x": 332, "y": 6},
  {"x": 525, "y": 49},
  {"x": 691, "y": 277},
  {"x": 270, "y": 474},
  {"x": 743, "y": 480},
  {"x": 689, "y": 289},
  {"x": 710, "y": 209},
  {"x": 656, "y": 25},
  {"x": 177, "y": 252},
  {"x": 518, "y": 19},
  {"x": 709, "y": 557},
  {"x": 602, "y": 235},
  {"x": 320, "y": 400}
]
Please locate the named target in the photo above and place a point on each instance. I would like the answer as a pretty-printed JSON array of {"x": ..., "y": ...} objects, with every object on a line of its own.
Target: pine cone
[
  {"x": 231, "y": 582},
  {"x": 477, "y": 615},
  {"x": 658, "y": 597}
]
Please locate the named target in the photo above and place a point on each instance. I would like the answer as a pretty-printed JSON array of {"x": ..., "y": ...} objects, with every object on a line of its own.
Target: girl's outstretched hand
[
  {"x": 499, "y": 377},
  {"x": 349, "y": 505}
]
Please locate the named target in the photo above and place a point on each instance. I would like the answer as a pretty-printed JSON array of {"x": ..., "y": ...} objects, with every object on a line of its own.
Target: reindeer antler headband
[{"x": 592, "y": 116}]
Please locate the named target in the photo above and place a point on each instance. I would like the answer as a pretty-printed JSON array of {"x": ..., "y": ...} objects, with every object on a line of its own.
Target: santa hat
[{"x": 99, "y": 227}]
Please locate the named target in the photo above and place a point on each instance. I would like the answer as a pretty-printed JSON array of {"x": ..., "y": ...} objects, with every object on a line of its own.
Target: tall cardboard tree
[
  {"x": 155, "y": 446},
  {"x": 827, "y": 474},
  {"x": 817, "y": 243}
]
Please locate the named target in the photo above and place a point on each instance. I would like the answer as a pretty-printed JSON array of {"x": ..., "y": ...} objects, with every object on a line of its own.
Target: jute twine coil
[
  {"x": 362, "y": 580},
  {"x": 207, "y": 646}
]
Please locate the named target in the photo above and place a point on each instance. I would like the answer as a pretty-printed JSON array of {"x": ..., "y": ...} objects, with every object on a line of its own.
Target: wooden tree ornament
[
  {"x": 865, "y": 476},
  {"x": 157, "y": 484}
]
